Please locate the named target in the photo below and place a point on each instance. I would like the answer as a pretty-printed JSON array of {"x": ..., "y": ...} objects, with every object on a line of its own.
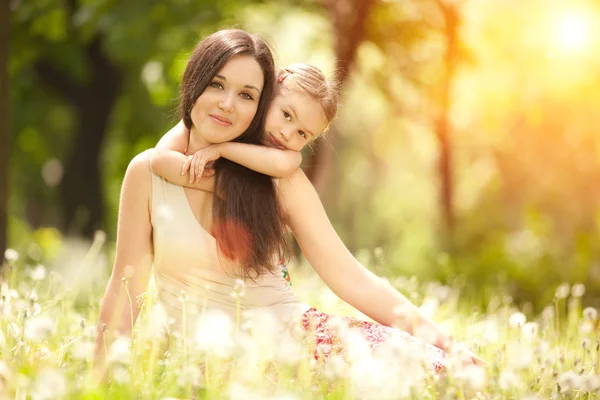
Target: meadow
[{"x": 48, "y": 326}]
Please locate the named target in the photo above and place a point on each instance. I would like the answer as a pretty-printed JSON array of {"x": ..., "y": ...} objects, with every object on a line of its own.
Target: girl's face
[
  {"x": 227, "y": 106},
  {"x": 294, "y": 119}
]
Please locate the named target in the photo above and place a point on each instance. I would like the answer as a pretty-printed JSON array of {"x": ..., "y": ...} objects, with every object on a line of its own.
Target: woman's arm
[
  {"x": 338, "y": 268},
  {"x": 133, "y": 261}
]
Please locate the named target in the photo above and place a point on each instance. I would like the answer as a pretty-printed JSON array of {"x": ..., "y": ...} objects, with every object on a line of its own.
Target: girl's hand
[{"x": 197, "y": 163}]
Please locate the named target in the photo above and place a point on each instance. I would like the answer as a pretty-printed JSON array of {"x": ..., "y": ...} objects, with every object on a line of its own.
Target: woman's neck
[{"x": 197, "y": 141}]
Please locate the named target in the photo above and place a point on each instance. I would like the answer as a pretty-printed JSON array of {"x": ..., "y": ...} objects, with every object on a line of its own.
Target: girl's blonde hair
[{"x": 311, "y": 81}]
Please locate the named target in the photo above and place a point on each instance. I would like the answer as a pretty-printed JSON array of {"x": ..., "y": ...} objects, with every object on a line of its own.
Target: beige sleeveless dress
[{"x": 189, "y": 276}]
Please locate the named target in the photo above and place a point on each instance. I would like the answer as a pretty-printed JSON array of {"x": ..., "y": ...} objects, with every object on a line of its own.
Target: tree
[
  {"x": 443, "y": 127},
  {"x": 4, "y": 124},
  {"x": 75, "y": 63},
  {"x": 349, "y": 19}
]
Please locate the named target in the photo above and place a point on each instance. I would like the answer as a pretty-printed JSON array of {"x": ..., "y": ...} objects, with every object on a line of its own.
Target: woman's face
[
  {"x": 228, "y": 105},
  {"x": 294, "y": 119}
]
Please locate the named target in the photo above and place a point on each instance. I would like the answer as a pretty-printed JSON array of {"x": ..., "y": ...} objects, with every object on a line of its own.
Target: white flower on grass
[
  {"x": 562, "y": 291},
  {"x": 39, "y": 328},
  {"x": 189, "y": 375},
  {"x": 38, "y": 273},
  {"x": 335, "y": 367},
  {"x": 82, "y": 350},
  {"x": 530, "y": 330},
  {"x": 519, "y": 355},
  {"x": 471, "y": 377},
  {"x": 239, "y": 288},
  {"x": 11, "y": 255},
  {"x": 119, "y": 351},
  {"x": 517, "y": 320},
  {"x": 430, "y": 306},
  {"x": 290, "y": 349},
  {"x": 591, "y": 383},
  {"x": 265, "y": 329},
  {"x": 357, "y": 347},
  {"x": 590, "y": 313},
  {"x": 578, "y": 290},
  {"x": 585, "y": 327},
  {"x": 569, "y": 381},
  {"x": 50, "y": 384},
  {"x": 214, "y": 333},
  {"x": 120, "y": 374},
  {"x": 508, "y": 380}
]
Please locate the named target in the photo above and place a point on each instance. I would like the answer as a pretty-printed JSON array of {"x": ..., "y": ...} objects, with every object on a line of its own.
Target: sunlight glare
[{"x": 573, "y": 32}]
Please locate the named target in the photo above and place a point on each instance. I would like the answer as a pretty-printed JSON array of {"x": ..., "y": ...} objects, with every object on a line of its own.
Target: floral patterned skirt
[{"x": 327, "y": 330}]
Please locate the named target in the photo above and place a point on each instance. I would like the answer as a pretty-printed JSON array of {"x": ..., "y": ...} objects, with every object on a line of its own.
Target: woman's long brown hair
[{"x": 247, "y": 217}]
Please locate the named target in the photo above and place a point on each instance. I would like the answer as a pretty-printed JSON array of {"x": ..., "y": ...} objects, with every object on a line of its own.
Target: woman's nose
[{"x": 226, "y": 103}]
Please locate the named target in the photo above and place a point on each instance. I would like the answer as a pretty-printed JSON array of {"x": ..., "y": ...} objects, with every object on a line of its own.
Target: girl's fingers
[
  {"x": 199, "y": 170},
  {"x": 186, "y": 165},
  {"x": 193, "y": 170}
]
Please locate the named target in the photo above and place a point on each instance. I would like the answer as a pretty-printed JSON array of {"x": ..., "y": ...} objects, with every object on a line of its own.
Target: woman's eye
[
  {"x": 216, "y": 85},
  {"x": 246, "y": 96},
  {"x": 287, "y": 116},
  {"x": 301, "y": 133}
]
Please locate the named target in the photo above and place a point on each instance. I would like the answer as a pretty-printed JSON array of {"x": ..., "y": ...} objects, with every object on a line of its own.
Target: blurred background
[{"x": 466, "y": 150}]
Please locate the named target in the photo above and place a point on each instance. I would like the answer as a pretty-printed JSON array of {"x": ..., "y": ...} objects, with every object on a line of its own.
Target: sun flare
[{"x": 573, "y": 32}]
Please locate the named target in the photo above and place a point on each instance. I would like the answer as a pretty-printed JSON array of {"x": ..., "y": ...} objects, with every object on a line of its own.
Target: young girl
[{"x": 302, "y": 109}]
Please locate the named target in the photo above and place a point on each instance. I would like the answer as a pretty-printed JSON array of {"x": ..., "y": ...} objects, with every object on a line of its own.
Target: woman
[
  {"x": 242, "y": 62},
  {"x": 302, "y": 109}
]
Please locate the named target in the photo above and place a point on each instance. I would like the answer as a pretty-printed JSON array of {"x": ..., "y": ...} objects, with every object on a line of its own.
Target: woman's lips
[
  {"x": 220, "y": 120},
  {"x": 276, "y": 142}
]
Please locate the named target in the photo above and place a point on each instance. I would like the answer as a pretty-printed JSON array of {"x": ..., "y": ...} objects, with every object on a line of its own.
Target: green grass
[{"x": 47, "y": 328}]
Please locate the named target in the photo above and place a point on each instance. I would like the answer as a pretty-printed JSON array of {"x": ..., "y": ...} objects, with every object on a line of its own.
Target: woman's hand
[{"x": 200, "y": 164}]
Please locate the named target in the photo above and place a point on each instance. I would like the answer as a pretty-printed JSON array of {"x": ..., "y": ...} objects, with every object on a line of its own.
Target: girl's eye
[
  {"x": 246, "y": 96},
  {"x": 287, "y": 116},
  {"x": 301, "y": 133},
  {"x": 216, "y": 85}
]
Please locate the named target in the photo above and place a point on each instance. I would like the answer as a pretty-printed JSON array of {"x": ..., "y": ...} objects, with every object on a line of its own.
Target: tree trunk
[
  {"x": 4, "y": 125},
  {"x": 349, "y": 19},
  {"x": 443, "y": 126},
  {"x": 81, "y": 188}
]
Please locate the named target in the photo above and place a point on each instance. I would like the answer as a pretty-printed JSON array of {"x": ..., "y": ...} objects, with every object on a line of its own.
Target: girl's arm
[
  {"x": 266, "y": 160},
  {"x": 338, "y": 268},
  {"x": 176, "y": 139},
  {"x": 133, "y": 261}
]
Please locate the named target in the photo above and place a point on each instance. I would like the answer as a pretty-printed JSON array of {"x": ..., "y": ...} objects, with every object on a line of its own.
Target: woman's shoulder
[{"x": 140, "y": 165}]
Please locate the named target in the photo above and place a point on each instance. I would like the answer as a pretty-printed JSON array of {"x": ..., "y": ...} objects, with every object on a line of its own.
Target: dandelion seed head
[
  {"x": 562, "y": 291},
  {"x": 39, "y": 328},
  {"x": 11, "y": 255},
  {"x": 119, "y": 351},
  {"x": 586, "y": 327},
  {"x": 239, "y": 288},
  {"x": 590, "y": 313},
  {"x": 519, "y": 355},
  {"x": 508, "y": 380},
  {"x": 530, "y": 330},
  {"x": 82, "y": 350},
  {"x": 578, "y": 290},
  {"x": 50, "y": 384},
  {"x": 569, "y": 381},
  {"x": 214, "y": 332},
  {"x": 471, "y": 376},
  {"x": 38, "y": 273},
  {"x": 517, "y": 320}
]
